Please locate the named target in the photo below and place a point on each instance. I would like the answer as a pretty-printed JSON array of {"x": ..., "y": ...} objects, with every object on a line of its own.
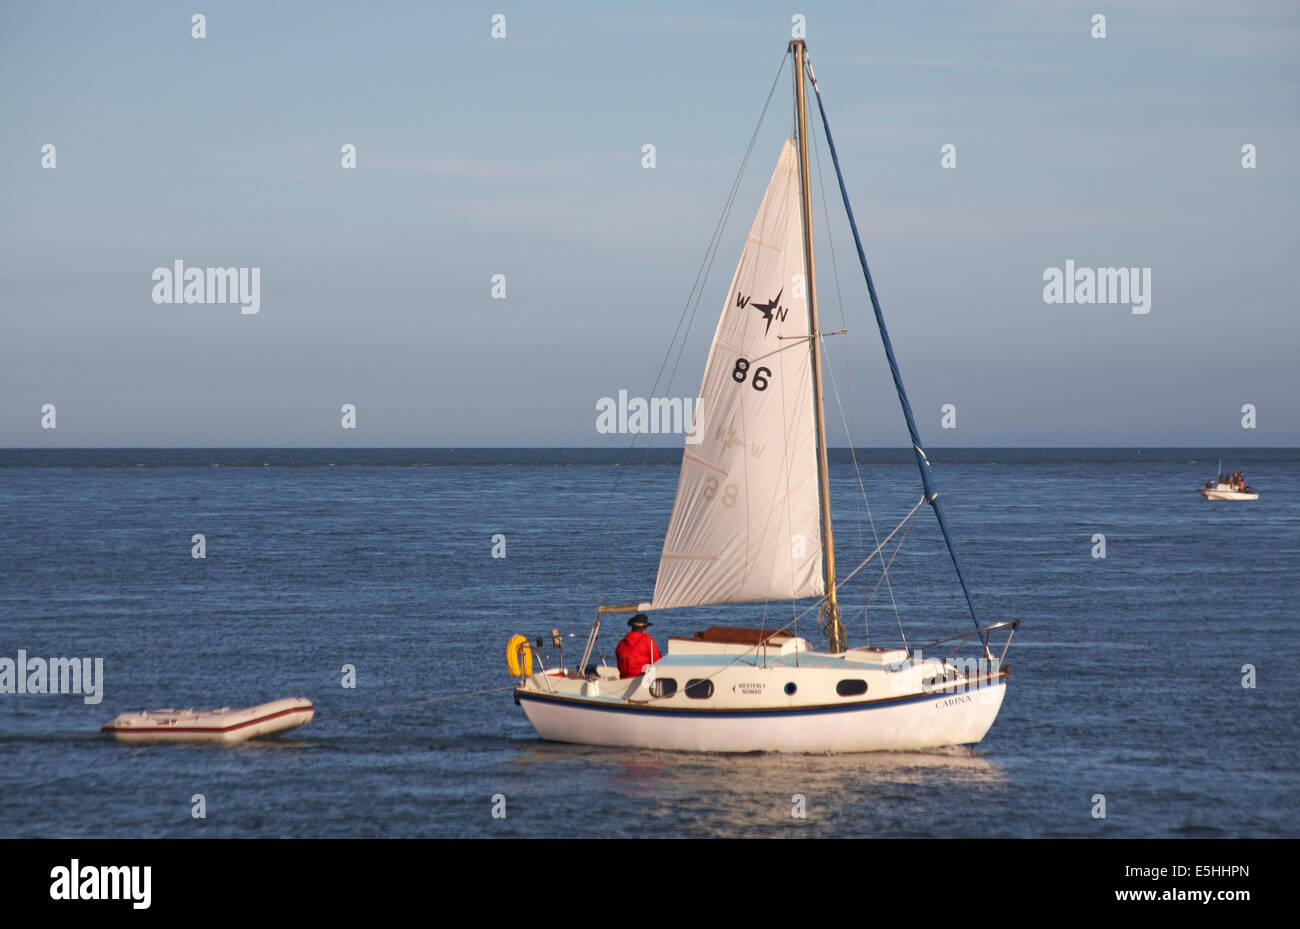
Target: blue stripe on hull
[{"x": 586, "y": 704}]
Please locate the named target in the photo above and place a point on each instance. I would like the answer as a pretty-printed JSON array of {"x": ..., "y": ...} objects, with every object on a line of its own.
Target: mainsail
[{"x": 746, "y": 523}]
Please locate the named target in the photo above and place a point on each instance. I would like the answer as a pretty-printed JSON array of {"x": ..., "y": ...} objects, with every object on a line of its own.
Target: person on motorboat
[{"x": 637, "y": 649}]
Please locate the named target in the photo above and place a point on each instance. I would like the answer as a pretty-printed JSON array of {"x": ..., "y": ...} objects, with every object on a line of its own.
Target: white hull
[
  {"x": 925, "y": 721},
  {"x": 223, "y": 726},
  {"x": 727, "y": 696},
  {"x": 1217, "y": 494}
]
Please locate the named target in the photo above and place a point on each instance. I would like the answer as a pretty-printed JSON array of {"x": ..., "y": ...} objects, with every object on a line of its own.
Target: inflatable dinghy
[{"x": 224, "y": 725}]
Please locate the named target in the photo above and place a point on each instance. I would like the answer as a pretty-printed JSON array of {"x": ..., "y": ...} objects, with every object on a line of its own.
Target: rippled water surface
[{"x": 1126, "y": 682}]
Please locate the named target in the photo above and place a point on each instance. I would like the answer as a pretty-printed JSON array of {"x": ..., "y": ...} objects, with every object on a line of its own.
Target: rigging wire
[
  {"x": 817, "y": 604},
  {"x": 862, "y": 564},
  {"x": 884, "y": 569},
  {"x": 839, "y": 299},
  {"x": 857, "y": 471},
  {"x": 922, "y": 461},
  {"x": 696, "y": 292},
  {"x": 883, "y": 574}
]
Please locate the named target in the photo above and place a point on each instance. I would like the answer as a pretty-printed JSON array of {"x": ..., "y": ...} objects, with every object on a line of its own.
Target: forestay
[{"x": 746, "y": 519}]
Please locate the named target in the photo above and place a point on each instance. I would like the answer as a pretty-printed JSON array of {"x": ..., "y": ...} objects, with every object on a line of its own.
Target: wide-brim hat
[{"x": 639, "y": 621}]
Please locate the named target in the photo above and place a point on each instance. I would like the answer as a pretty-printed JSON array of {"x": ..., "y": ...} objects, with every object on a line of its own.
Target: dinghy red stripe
[{"x": 165, "y": 728}]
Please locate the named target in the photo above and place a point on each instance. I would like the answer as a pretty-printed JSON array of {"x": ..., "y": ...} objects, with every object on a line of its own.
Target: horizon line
[{"x": 349, "y": 448}]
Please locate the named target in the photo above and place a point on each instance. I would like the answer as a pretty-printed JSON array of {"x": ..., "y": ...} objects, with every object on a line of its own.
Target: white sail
[{"x": 746, "y": 522}]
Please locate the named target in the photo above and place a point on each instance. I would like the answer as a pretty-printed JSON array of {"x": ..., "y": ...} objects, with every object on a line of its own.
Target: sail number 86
[{"x": 741, "y": 371}]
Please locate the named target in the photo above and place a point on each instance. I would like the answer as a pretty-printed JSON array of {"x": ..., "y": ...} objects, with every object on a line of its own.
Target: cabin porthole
[
  {"x": 699, "y": 689},
  {"x": 663, "y": 687},
  {"x": 790, "y": 688}
]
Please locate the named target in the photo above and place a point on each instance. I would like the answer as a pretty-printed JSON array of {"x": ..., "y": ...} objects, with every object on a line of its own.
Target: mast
[
  {"x": 922, "y": 462},
  {"x": 834, "y": 629}
]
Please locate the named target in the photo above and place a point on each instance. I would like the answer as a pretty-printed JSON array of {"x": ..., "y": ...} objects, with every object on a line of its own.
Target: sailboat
[{"x": 751, "y": 522}]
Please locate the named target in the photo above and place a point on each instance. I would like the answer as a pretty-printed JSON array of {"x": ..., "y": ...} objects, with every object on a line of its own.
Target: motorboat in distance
[{"x": 1228, "y": 487}]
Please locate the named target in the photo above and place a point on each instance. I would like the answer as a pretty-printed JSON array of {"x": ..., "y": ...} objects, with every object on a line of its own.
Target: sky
[{"x": 522, "y": 156}]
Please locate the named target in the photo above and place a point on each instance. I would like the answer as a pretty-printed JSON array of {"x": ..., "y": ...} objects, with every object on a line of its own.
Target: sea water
[{"x": 1152, "y": 691}]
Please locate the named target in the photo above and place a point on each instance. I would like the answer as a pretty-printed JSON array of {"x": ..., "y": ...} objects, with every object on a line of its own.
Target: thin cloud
[
  {"x": 963, "y": 64},
  {"x": 460, "y": 166},
  {"x": 682, "y": 24},
  {"x": 553, "y": 168}
]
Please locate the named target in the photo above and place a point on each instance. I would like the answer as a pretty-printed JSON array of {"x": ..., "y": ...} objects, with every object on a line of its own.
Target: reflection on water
[{"x": 759, "y": 794}]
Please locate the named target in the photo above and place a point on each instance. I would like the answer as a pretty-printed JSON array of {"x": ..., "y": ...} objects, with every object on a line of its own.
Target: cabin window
[
  {"x": 851, "y": 688},
  {"x": 663, "y": 687},
  {"x": 699, "y": 689}
]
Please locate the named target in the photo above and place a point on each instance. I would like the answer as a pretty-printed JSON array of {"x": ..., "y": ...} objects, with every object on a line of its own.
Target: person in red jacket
[{"x": 637, "y": 648}]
